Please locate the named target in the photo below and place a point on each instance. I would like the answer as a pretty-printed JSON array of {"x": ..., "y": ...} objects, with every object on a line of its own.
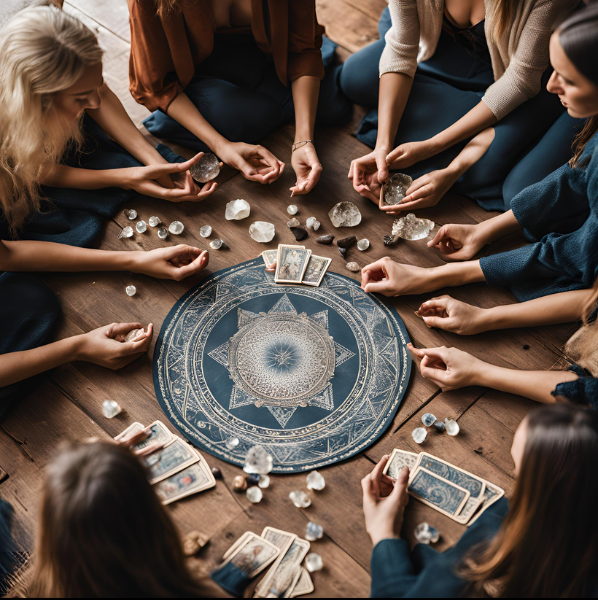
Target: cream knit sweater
[{"x": 518, "y": 59}]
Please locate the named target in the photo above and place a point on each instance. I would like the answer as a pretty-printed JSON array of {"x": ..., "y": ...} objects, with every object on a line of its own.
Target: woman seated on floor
[
  {"x": 541, "y": 544},
  {"x": 223, "y": 74},
  {"x": 448, "y": 70},
  {"x": 559, "y": 215},
  {"x": 51, "y": 74}
]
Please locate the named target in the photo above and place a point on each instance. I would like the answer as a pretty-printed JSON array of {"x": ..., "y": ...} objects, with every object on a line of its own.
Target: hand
[
  {"x": 425, "y": 192},
  {"x": 452, "y": 315},
  {"x": 384, "y": 502},
  {"x": 106, "y": 346},
  {"x": 134, "y": 437},
  {"x": 406, "y": 155},
  {"x": 255, "y": 162},
  {"x": 449, "y": 368},
  {"x": 307, "y": 168},
  {"x": 368, "y": 173},
  {"x": 458, "y": 242},
  {"x": 272, "y": 269},
  {"x": 176, "y": 263},
  {"x": 389, "y": 278}
]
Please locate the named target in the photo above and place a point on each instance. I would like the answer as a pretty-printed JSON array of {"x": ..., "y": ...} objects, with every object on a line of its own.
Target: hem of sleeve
[
  {"x": 306, "y": 65},
  {"x": 157, "y": 102},
  {"x": 500, "y": 106},
  {"x": 392, "y": 62}
]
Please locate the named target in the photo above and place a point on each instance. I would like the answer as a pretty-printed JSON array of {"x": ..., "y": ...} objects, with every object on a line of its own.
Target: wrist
[
  {"x": 74, "y": 348},
  {"x": 486, "y": 375},
  {"x": 131, "y": 261},
  {"x": 454, "y": 274},
  {"x": 219, "y": 145},
  {"x": 379, "y": 535}
]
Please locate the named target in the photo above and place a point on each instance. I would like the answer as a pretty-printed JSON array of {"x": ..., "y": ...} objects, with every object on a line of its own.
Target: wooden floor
[{"x": 67, "y": 405}]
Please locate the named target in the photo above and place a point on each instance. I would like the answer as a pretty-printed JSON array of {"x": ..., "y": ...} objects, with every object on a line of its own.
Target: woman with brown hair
[
  {"x": 541, "y": 544},
  {"x": 103, "y": 533},
  {"x": 223, "y": 74}
]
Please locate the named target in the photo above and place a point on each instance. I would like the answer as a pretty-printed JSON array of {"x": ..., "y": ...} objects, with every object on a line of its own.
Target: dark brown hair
[
  {"x": 103, "y": 532},
  {"x": 547, "y": 545}
]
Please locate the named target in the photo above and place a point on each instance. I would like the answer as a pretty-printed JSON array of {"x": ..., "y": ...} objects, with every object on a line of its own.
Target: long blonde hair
[
  {"x": 43, "y": 51},
  {"x": 502, "y": 16},
  {"x": 163, "y": 7}
]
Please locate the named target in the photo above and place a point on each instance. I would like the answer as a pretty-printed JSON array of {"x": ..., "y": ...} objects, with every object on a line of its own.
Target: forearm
[
  {"x": 471, "y": 154},
  {"x": 85, "y": 179},
  {"x": 453, "y": 274},
  {"x": 394, "y": 93},
  {"x": 18, "y": 366},
  {"x": 306, "y": 91},
  {"x": 497, "y": 227}
]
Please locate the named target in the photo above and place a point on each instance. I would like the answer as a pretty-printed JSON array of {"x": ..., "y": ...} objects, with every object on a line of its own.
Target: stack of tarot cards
[
  {"x": 176, "y": 469},
  {"x": 296, "y": 265},
  {"x": 284, "y": 551},
  {"x": 449, "y": 489}
]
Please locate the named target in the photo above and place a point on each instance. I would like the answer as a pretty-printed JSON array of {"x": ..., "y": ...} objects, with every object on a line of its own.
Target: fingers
[
  {"x": 308, "y": 184},
  {"x": 123, "y": 329},
  {"x": 272, "y": 268},
  {"x": 379, "y": 287},
  {"x": 382, "y": 166},
  {"x": 441, "y": 234},
  {"x": 435, "y": 304},
  {"x": 207, "y": 190},
  {"x": 419, "y": 352},
  {"x": 201, "y": 262},
  {"x": 155, "y": 171},
  {"x": 376, "y": 474},
  {"x": 134, "y": 438},
  {"x": 368, "y": 493}
]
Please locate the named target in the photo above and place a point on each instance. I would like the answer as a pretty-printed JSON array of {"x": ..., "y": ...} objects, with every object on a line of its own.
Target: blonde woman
[{"x": 51, "y": 73}]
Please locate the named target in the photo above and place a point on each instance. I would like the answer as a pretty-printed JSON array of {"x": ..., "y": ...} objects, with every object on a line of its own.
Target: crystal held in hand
[
  {"x": 206, "y": 168},
  {"x": 262, "y": 232},
  {"x": 237, "y": 210},
  {"x": 110, "y": 409},
  {"x": 313, "y": 562},
  {"x": 254, "y": 494},
  {"x": 396, "y": 189},
  {"x": 426, "y": 534},
  {"x": 314, "y": 532},
  {"x": 258, "y": 461},
  {"x": 411, "y": 228},
  {"x": 300, "y": 499},
  {"x": 419, "y": 435},
  {"x": 176, "y": 228},
  {"x": 315, "y": 481}
]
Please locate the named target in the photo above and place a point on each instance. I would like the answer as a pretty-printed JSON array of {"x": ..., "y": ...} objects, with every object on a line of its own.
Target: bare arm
[{"x": 394, "y": 93}]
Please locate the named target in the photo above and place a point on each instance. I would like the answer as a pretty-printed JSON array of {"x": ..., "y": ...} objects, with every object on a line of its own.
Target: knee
[{"x": 359, "y": 79}]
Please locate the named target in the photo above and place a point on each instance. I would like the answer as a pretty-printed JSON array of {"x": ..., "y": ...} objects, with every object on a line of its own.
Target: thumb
[
  {"x": 382, "y": 167},
  {"x": 438, "y": 322}
]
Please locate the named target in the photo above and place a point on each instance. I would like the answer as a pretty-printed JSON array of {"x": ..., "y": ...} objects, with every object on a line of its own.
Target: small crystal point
[
  {"x": 426, "y": 534},
  {"x": 292, "y": 209},
  {"x": 396, "y": 189},
  {"x": 389, "y": 240},
  {"x": 218, "y": 245},
  {"x": 176, "y": 228},
  {"x": 353, "y": 267},
  {"x": 131, "y": 214},
  {"x": 205, "y": 231},
  {"x": 206, "y": 168},
  {"x": 300, "y": 499},
  {"x": 313, "y": 562},
  {"x": 314, "y": 532},
  {"x": 452, "y": 427},
  {"x": 428, "y": 419},
  {"x": 264, "y": 481},
  {"x": 141, "y": 227},
  {"x": 130, "y": 290},
  {"x": 315, "y": 481},
  {"x": 325, "y": 239},
  {"x": 127, "y": 232},
  {"x": 363, "y": 245},
  {"x": 419, "y": 435},
  {"x": 312, "y": 223},
  {"x": 262, "y": 232},
  {"x": 345, "y": 214},
  {"x": 162, "y": 233},
  {"x": 231, "y": 443},
  {"x": 254, "y": 494},
  {"x": 299, "y": 233},
  {"x": 411, "y": 228},
  {"x": 237, "y": 210},
  {"x": 154, "y": 221},
  {"x": 258, "y": 461},
  {"x": 440, "y": 426},
  {"x": 293, "y": 223},
  {"x": 110, "y": 409}
]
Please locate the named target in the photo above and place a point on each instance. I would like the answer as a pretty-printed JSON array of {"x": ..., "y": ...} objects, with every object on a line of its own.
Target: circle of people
[{"x": 495, "y": 100}]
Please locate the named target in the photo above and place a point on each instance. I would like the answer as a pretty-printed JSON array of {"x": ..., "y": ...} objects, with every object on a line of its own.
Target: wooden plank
[{"x": 112, "y": 15}]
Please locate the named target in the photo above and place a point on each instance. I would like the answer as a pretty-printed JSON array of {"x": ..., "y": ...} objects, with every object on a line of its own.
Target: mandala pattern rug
[{"x": 315, "y": 375}]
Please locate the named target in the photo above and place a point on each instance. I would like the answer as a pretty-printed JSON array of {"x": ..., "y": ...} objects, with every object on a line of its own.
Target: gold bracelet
[{"x": 298, "y": 145}]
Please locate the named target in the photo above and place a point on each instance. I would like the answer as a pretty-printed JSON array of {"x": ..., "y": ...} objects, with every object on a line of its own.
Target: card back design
[{"x": 438, "y": 493}]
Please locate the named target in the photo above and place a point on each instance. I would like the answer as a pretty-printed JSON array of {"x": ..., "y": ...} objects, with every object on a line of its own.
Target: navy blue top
[
  {"x": 471, "y": 39},
  {"x": 560, "y": 216},
  {"x": 579, "y": 391}
]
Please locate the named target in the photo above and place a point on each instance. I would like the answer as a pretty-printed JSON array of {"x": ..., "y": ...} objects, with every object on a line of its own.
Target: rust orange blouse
[{"x": 165, "y": 51}]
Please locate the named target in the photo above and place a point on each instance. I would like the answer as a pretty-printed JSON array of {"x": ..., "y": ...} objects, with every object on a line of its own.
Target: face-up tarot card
[
  {"x": 191, "y": 480},
  {"x": 252, "y": 555},
  {"x": 399, "y": 459},
  {"x": 170, "y": 460},
  {"x": 316, "y": 269},
  {"x": 291, "y": 264},
  {"x": 304, "y": 584}
]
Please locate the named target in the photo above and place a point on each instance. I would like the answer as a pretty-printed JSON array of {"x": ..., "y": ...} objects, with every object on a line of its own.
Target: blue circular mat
[{"x": 313, "y": 374}]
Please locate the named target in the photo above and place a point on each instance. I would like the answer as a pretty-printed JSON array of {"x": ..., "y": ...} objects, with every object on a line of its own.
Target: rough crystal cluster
[
  {"x": 262, "y": 232},
  {"x": 127, "y": 232},
  {"x": 205, "y": 231},
  {"x": 428, "y": 419},
  {"x": 258, "y": 461},
  {"x": 110, "y": 409},
  {"x": 452, "y": 427},
  {"x": 411, "y": 228},
  {"x": 131, "y": 214},
  {"x": 218, "y": 244},
  {"x": 313, "y": 223},
  {"x": 254, "y": 494},
  {"x": 314, "y": 532},
  {"x": 419, "y": 435},
  {"x": 130, "y": 290},
  {"x": 315, "y": 481},
  {"x": 313, "y": 562},
  {"x": 300, "y": 499},
  {"x": 292, "y": 209},
  {"x": 154, "y": 221},
  {"x": 396, "y": 189},
  {"x": 345, "y": 214},
  {"x": 363, "y": 245},
  {"x": 237, "y": 210},
  {"x": 206, "y": 168},
  {"x": 293, "y": 223},
  {"x": 426, "y": 534},
  {"x": 176, "y": 228},
  {"x": 141, "y": 227}
]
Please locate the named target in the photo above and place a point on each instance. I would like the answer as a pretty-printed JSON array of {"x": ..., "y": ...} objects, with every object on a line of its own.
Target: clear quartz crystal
[
  {"x": 131, "y": 290},
  {"x": 110, "y": 409},
  {"x": 162, "y": 233},
  {"x": 254, "y": 494},
  {"x": 231, "y": 443},
  {"x": 141, "y": 227},
  {"x": 363, "y": 245},
  {"x": 176, "y": 228},
  {"x": 293, "y": 223},
  {"x": 292, "y": 209},
  {"x": 262, "y": 232},
  {"x": 314, "y": 532},
  {"x": 396, "y": 189},
  {"x": 127, "y": 232},
  {"x": 154, "y": 221},
  {"x": 133, "y": 334},
  {"x": 411, "y": 228},
  {"x": 237, "y": 210},
  {"x": 452, "y": 427},
  {"x": 345, "y": 214},
  {"x": 205, "y": 231},
  {"x": 206, "y": 168},
  {"x": 428, "y": 419},
  {"x": 264, "y": 481},
  {"x": 419, "y": 435},
  {"x": 300, "y": 499},
  {"x": 258, "y": 461},
  {"x": 313, "y": 223},
  {"x": 131, "y": 214},
  {"x": 217, "y": 244},
  {"x": 315, "y": 481},
  {"x": 313, "y": 562},
  {"x": 426, "y": 534}
]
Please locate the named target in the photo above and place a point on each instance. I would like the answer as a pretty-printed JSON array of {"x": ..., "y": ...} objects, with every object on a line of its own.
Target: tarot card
[
  {"x": 492, "y": 494},
  {"x": 316, "y": 269},
  {"x": 304, "y": 585},
  {"x": 270, "y": 257},
  {"x": 399, "y": 459},
  {"x": 281, "y": 575},
  {"x": 253, "y": 555},
  {"x": 130, "y": 431},
  {"x": 236, "y": 545},
  {"x": 446, "y": 497},
  {"x": 294, "y": 582},
  {"x": 281, "y": 539},
  {"x": 159, "y": 435},
  {"x": 191, "y": 480},
  {"x": 170, "y": 460},
  {"x": 291, "y": 264}
]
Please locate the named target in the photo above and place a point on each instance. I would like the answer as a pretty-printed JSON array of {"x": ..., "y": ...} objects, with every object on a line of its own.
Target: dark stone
[
  {"x": 253, "y": 479},
  {"x": 389, "y": 240},
  {"x": 526, "y": 347},
  {"x": 299, "y": 233},
  {"x": 325, "y": 239},
  {"x": 440, "y": 426},
  {"x": 345, "y": 244},
  {"x": 217, "y": 473}
]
